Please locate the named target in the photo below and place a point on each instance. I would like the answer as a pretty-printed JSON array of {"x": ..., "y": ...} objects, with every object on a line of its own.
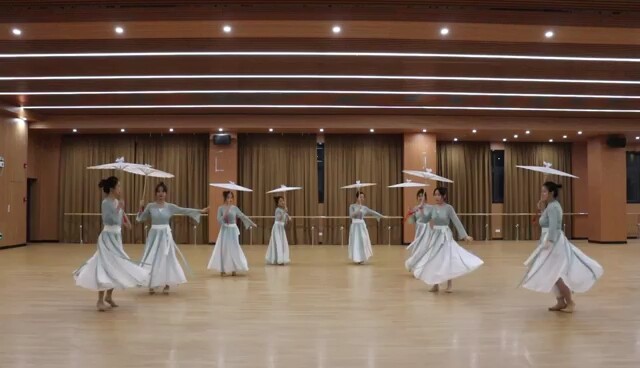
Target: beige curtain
[
  {"x": 266, "y": 161},
  {"x": 469, "y": 166},
  {"x": 522, "y": 187},
  {"x": 368, "y": 158},
  {"x": 184, "y": 156}
]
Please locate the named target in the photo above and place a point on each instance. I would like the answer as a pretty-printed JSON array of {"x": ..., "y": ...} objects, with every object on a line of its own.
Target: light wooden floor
[{"x": 319, "y": 312}]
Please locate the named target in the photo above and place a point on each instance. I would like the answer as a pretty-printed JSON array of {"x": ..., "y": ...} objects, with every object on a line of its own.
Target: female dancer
[
  {"x": 445, "y": 259},
  {"x": 227, "y": 254},
  {"x": 418, "y": 246},
  {"x": 278, "y": 250},
  {"x": 556, "y": 264},
  {"x": 159, "y": 256},
  {"x": 359, "y": 242},
  {"x": 110, "y": 267}
]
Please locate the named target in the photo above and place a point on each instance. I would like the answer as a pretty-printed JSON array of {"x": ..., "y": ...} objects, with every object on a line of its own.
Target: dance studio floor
[{"x": 319, "y": 312}]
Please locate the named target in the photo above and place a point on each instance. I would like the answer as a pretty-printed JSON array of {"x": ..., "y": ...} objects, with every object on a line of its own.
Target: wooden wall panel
[{"x": 13, "y": 182}]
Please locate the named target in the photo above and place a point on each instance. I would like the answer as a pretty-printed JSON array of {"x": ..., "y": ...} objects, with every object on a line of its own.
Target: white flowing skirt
[
  {"x": 359, "y": 242},
  {"x": 444, "y": 259},
  {"x": 160, "y": 258},
  {"x": 418, "y": 246},
  {"x": 278, "y": 250},
  {"x": 110, "y": 267},
  {"x": 561, "y": 260},
  {"x": 227, "y": 254}
]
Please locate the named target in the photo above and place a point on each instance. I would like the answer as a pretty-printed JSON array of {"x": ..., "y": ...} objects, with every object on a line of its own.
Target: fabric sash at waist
[
  {"x": 112, "y": 229},
  {"x": 357, "y": 221}
]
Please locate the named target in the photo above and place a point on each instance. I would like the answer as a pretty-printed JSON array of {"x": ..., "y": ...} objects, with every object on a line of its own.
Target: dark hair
[
  {"x": 108, "y": 184},
  {"x": 442, "y": 191},
  {"x": 358, "y": 194},
  {"x": 553, "y": 188},
  {"x": 226, "y": 193},
  {"x": 163, "y": 186},
  {"x": 420, "y": 193},
  {"x": 277, "y": 199}
]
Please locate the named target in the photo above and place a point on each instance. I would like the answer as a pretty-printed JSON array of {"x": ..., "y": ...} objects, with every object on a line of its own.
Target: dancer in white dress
[
  {"x": 418, "y": 246},
  {"x": 556, "y": 264},
  {"x": 160, "y": 251},
  {"x": 227, "y": 254},
  {"x": 278, "y": 250},
  {"x": 359, "y": 241},
  {"x": 110, "y": 267},
  {"x": 444, "y": 259}
]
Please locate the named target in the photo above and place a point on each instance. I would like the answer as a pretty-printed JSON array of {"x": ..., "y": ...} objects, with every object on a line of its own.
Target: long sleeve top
[
  {"x": 358, "y": 212},
  {"x": 418, "y": 214},
  {"x": 230, "y": 214},
  {"x": 161, "y": 214},
  {"x": 551, "y": 218},
  {"x": 443, "y": 216},
  {"x": 281, "y": 215},
  {"x": 111, "y": 214}
]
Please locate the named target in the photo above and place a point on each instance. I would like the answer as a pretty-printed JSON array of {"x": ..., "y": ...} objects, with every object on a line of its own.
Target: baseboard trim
[
  {"x": 607, "y": 242},
  {"x": 580, "y": 238},
  {"x": 13, "y": 246},
  {"x": 44, "y": 241}
]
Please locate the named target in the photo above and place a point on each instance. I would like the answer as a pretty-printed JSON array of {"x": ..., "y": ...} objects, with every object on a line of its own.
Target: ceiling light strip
[
  {"x": 326, "y": 92},
  {"x": 478, "y": 108},
  {"x": 316, "y": 76},
  {"x": 318, "y": 54}
]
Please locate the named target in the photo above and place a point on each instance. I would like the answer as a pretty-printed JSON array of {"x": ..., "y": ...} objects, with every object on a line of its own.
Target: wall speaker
[
  {"x": 221, "y": 139},
  {"x": 617, "y": 141}
]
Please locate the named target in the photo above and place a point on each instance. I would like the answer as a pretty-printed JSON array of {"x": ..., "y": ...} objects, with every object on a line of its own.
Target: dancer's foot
[
  {"x": 570, "y": 308},
  {"x": 233, "y": 273},
  {"x": 101, "y": 306},
  {"x": 152, "y": 291},
  {"x": 560, "y": 305},
  {"x": 360, "y": 262},
  {"x": 165, "y": 291},
  {"x": 434, "y": 289},
  {"x": 223, "y": 274},
  {"x": 111, "y": 302}
]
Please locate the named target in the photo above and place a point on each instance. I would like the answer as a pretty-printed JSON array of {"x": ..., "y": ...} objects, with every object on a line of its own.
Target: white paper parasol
[
  {"x": 137, "y": 169},
  {"x": 427, "y": 174},
  {"x": 358, "y": 185},
  {"x": 283, "y": 188},
  {"x": 231, "y": 186},
  {"x": 546, "y": 169},
  {"x": 408, "y": 184}
]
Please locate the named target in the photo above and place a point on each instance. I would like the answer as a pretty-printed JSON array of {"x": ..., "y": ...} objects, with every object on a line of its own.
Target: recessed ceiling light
[
  {"x": 474, "y": 131},
  {"x": 171, "y": 130},
  {"x": 226, "y": 29},
  {"x": 16, "y": 31},
  {"x": 637, "y": 138},
  {"x": 270, "y": 130},
  {"x": 336, "y": 29},
  {"x": 220, "y": 129},
  {"x": 75, "y": 130},
  {"x": 372, "y": 130},
  {"x": 321, "y": 130},
  {"x": 550, "y": 140},
  {"x": 564, "y": 137},
  {"x": 23, "y": 119},
  {"x": 444, "y": 31},
  {"x": 119, "y": 30},
  {"x": 515, "y": 136},
  {"x": 455, "y": 139},
  {"x": 549, "y": 34},
  {"x": 527, "y": 132},
  {"x": 122, "y": 130},
  {"x": 424, "y": 130},
  {"x": 504, "y": 139}
]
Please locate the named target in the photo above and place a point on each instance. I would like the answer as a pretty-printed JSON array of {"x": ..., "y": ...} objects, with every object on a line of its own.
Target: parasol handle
[{"x": 144, "y": 187}]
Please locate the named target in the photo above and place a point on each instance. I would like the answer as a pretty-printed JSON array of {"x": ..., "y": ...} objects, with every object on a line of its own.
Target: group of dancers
[{"x": 435, "y": 257}]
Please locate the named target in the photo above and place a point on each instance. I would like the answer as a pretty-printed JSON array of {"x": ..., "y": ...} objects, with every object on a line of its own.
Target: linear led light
[
  {"x": 390, "y": 107},
  {"x": 320, "y": 54},
  {"x": 315, "y": 76},
  {"x": 329, "y": 92}
]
